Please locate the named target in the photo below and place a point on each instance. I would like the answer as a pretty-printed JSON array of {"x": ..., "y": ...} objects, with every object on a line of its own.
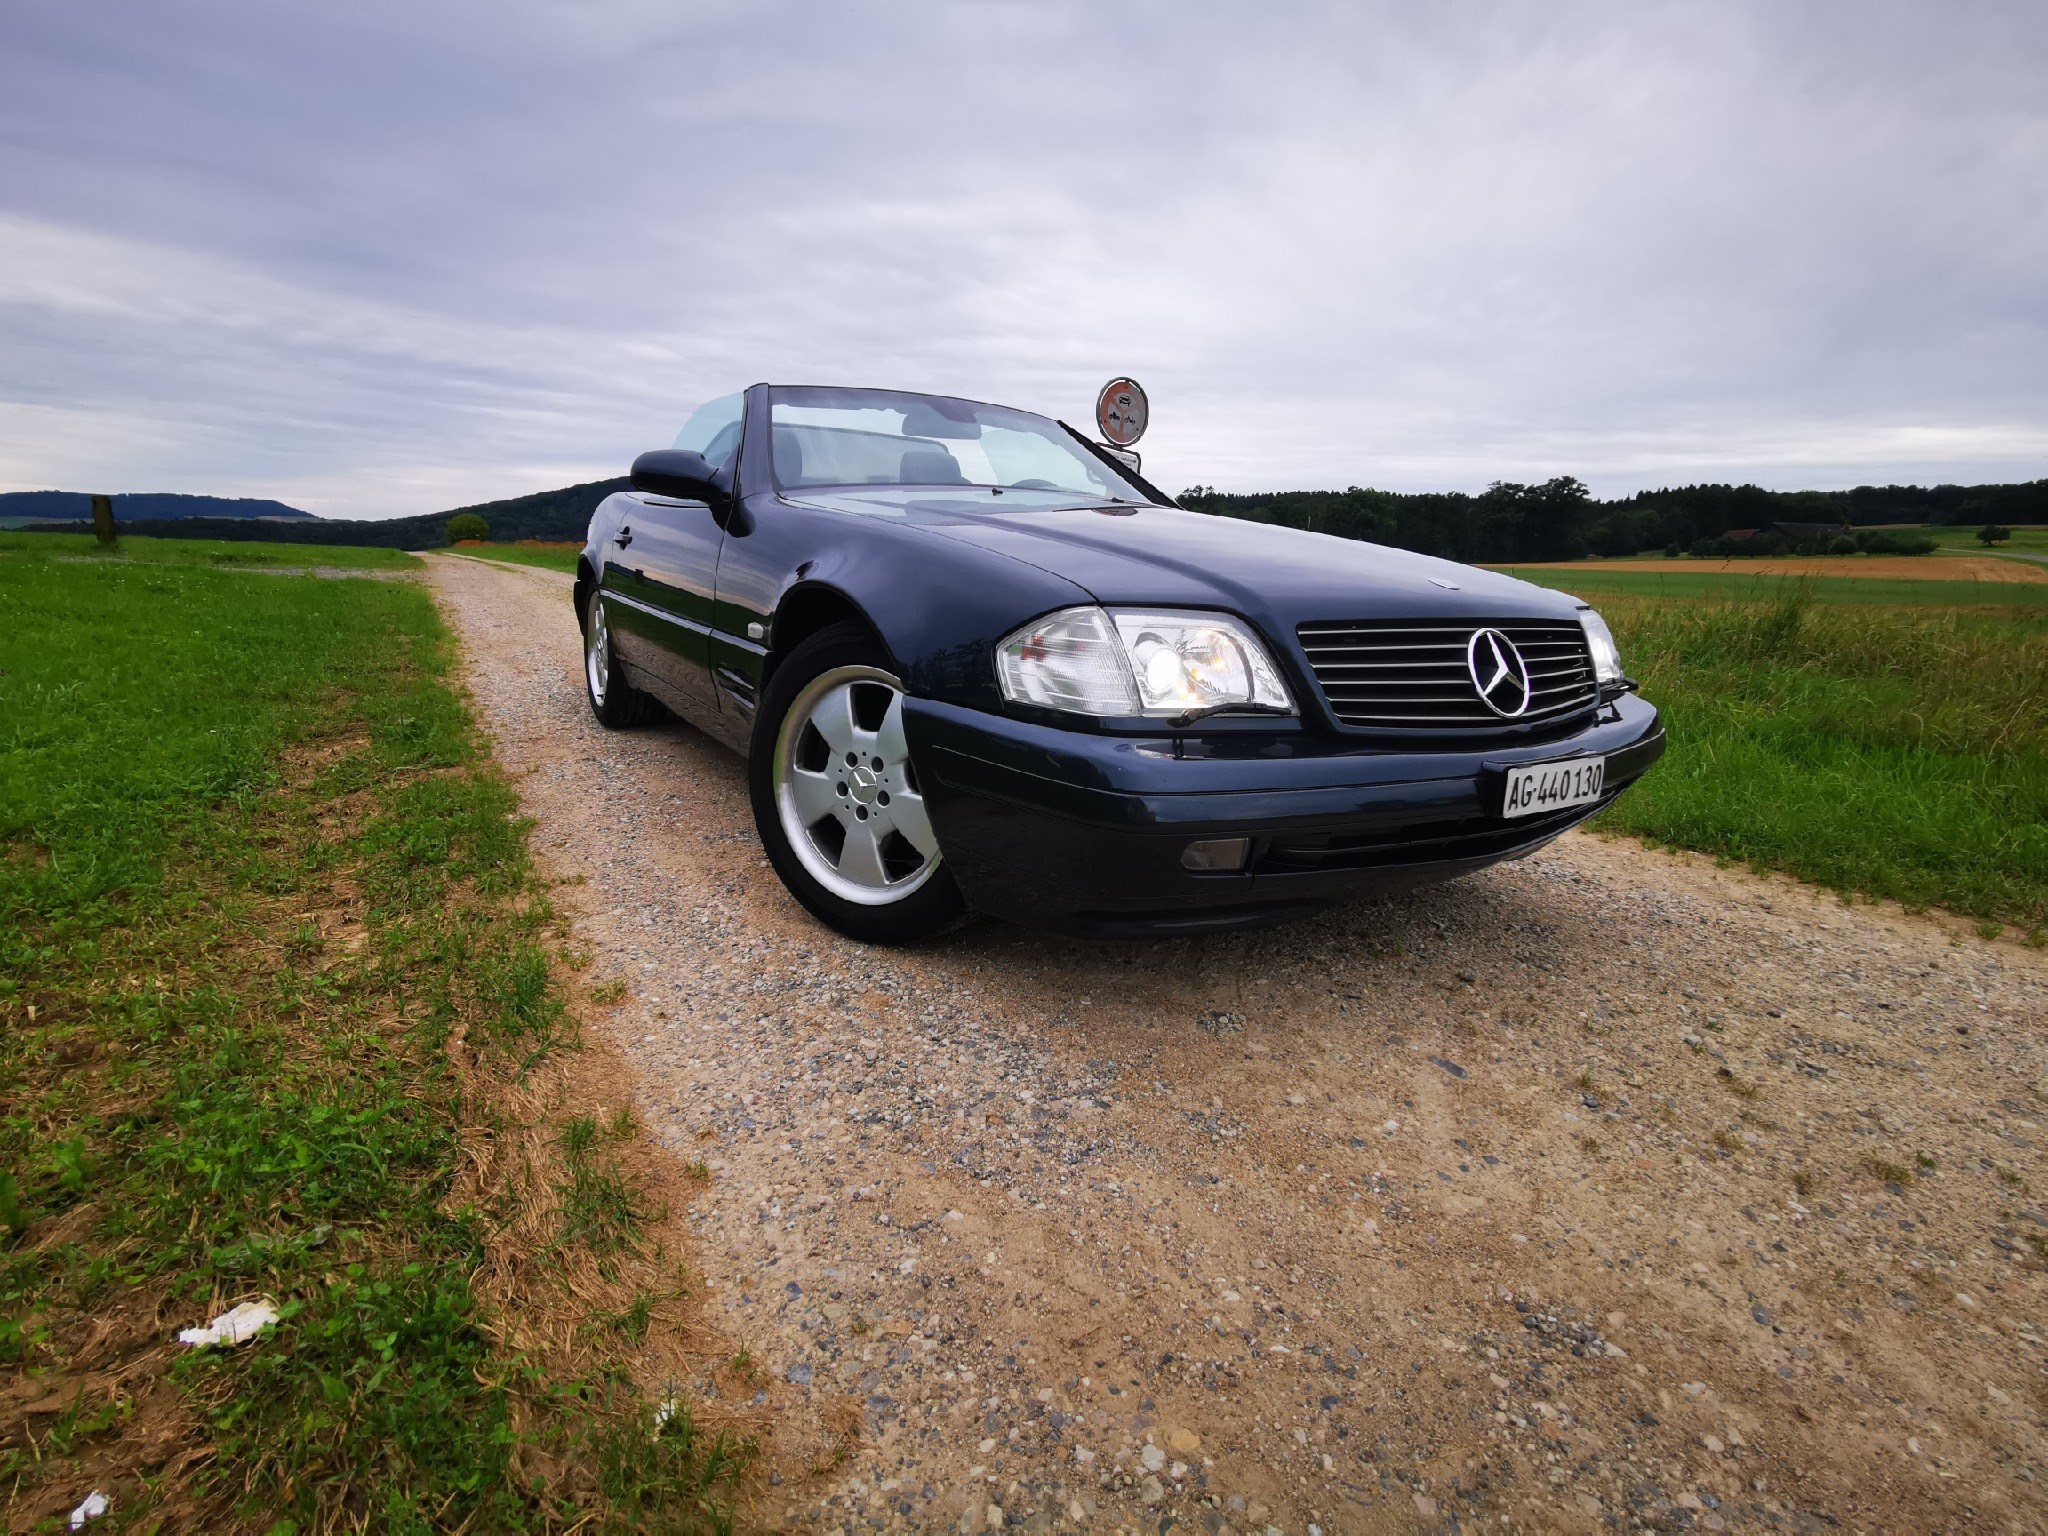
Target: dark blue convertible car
[{"x": 977, "y": 663}]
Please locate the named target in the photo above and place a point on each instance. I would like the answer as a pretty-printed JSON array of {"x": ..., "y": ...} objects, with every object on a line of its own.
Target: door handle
[{"x": 623, "y": 537}]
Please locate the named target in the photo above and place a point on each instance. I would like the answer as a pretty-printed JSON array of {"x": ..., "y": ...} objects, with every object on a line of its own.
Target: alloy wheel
[
  {"x": 597, "y": 653},
  {"x": 846, "y": 792}
]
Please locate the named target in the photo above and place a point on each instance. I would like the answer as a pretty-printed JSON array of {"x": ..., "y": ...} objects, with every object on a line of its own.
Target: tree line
[
  {"x": 1560, "y": 520},
  {"x": 1505, "y": 523}
]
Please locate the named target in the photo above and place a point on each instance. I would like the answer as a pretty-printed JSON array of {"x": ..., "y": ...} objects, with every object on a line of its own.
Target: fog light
[{"x": 1216, "y": 854}]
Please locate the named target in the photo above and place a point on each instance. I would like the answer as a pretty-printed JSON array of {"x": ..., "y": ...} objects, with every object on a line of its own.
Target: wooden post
[{"x": 103, "y": 520}]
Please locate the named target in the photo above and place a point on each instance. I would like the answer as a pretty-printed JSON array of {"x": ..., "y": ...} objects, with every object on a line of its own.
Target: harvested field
[
  {"x": 1603, "y": 1190},
  {"x": 1935, "y": 567}
]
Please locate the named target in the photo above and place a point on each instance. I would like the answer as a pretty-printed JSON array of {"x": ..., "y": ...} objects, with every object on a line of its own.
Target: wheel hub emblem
[
  {"x": 862, "y": 785},
  {"x": 1498, "y": 672}
]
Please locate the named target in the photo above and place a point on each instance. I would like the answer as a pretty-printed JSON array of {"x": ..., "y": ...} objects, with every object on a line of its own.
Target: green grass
[
  {"x": 257, "y": 876},
  {"x": 599, "y": 1210},
  {"x": 514, "y": 554},
  {"x": 225, "y": 554},
  {"x": 1895, "y": 752},
  {"x": 1592, "y": 581},
  {"x": 2027, "y": 539}
]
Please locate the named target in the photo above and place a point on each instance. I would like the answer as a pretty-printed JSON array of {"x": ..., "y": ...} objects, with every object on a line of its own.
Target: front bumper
[{"x": 1084, "y": 833}]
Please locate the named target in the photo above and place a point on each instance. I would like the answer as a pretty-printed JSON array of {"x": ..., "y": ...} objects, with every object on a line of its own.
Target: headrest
[
  {"x": 930, "y": 466},
  {"x": 789, "y": 456}
]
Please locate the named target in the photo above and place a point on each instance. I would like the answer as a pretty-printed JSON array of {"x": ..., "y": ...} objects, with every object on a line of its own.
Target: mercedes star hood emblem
[{"x": 1498, "y": 672}]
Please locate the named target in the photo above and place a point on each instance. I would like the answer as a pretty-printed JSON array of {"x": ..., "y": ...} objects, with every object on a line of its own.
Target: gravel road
[{"x": 1606, "y": 1190}]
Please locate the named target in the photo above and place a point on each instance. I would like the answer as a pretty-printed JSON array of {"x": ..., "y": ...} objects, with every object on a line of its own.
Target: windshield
[{"x": 843, "y": 437}]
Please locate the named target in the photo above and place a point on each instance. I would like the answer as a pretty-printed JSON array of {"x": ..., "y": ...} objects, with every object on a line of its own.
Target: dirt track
[{"x": 1601, "y": 1191}]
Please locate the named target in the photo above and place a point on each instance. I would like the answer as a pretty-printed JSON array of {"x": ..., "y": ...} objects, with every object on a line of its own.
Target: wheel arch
[
  {"x": 586, "y": 583},
  {"x": 804, "y": 611}
]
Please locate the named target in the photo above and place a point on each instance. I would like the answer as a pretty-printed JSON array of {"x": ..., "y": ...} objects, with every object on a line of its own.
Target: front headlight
[
  {"x": 1092, "y": 661},
  {"x": 1606, "y": 654},
  {"x": 1069, "y": 660}
]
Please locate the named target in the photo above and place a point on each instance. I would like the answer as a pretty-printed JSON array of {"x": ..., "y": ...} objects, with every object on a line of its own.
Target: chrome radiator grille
[{"x": 1412, "y": 674}]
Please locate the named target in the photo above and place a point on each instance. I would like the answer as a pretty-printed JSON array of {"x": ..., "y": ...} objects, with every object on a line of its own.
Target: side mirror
[{"x": 679, "y": 473}]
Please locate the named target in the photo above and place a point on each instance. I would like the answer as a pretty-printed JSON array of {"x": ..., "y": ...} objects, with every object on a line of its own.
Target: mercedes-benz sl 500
[{"x": 977, "y": 663}]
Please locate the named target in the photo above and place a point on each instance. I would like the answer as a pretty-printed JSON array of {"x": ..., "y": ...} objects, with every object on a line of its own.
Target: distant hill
[
  {"x": 149, "y": 506},
  {"x": 548, "y": 515},
  {"x": 552, "y": 515}
]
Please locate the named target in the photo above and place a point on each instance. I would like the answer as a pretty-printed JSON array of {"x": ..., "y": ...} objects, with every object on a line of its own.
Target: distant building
[{"x": 1793, "y": 533}]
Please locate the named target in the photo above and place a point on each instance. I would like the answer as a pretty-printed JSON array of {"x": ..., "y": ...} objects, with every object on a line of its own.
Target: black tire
[
  {"x": 616, "y": 703},
  {"x": 930, "y": 907}
]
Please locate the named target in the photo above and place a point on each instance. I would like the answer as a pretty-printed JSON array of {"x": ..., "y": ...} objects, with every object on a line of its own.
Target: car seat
[
  {"x": 930, "y": 466},
  {"x": 789, "y": 456}
]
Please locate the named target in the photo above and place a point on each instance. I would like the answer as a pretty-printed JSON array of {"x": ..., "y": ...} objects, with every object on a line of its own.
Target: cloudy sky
[{"x": 391, "y": 256}]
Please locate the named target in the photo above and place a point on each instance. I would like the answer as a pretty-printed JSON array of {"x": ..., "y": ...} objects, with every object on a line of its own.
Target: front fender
[{"x": 938, "y": 606}]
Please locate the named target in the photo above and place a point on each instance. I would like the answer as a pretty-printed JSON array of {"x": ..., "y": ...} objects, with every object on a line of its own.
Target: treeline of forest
[
  {"x": 1560, "y": 520},
  {"x": 1557, "y": 520}
]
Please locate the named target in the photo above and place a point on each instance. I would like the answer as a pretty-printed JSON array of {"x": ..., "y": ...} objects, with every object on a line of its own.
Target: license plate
[{"x": 1554, "y": 786}]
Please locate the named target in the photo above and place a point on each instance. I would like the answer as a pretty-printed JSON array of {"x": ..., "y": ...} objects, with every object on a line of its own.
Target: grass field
[
  {"x": 1591, "y": 581},
  {"x": 225, "y": 554},
  {"x": 2031, "y": 540},
  {"x": 1897, "y": 751},
  {"x": 523, "y": 554},
  {"x": 277, "y": 982}
]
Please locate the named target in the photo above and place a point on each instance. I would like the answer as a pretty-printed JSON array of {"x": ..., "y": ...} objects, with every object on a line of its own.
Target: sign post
[{"x": 1121, "y": 412}]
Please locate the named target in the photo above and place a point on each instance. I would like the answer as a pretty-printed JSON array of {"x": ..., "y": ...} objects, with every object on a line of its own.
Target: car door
[
  {"x": 662, "y": 574},
  {"x": 659, "y": 584}
]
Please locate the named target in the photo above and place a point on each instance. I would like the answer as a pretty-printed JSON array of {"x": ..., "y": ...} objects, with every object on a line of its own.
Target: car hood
[{"x": 1167, "y": 557}]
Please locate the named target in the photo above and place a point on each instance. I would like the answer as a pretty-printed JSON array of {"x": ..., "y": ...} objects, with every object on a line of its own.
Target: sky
[{"x": 396, "y": 256}]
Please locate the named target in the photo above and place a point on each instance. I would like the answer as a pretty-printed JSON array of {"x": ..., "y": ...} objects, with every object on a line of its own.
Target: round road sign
[{"x": 1121, "y": 412}]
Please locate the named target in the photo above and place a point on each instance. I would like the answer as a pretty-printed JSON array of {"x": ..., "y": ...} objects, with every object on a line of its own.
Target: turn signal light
[{"x": 1216, "y": 855}]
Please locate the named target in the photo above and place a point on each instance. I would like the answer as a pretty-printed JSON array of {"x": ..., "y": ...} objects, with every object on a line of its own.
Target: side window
[{"x": 714, "y": 430}]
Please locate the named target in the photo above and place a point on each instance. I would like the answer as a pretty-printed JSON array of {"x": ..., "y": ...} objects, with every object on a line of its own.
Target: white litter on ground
[
  {"x": 92, "y": 1508},
  {"x": 232, "y": 1327}
]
